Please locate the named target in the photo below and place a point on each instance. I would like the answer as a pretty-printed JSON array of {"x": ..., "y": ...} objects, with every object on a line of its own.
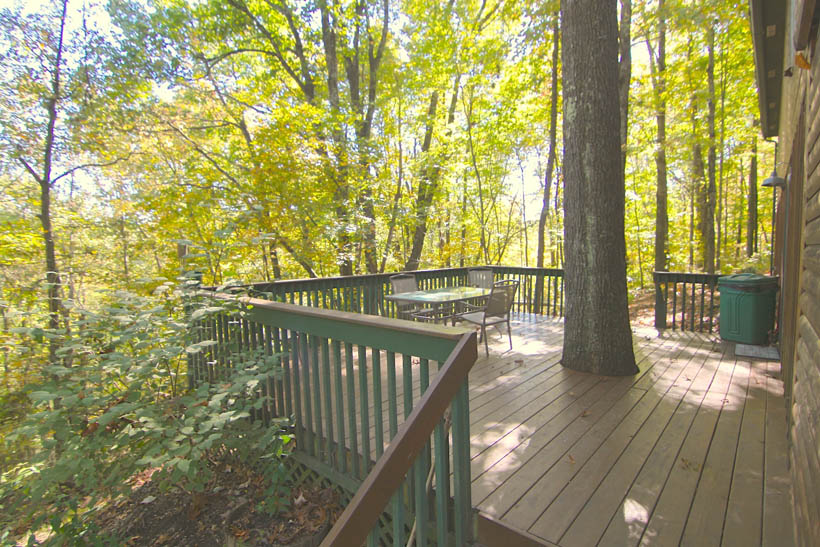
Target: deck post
[{"x": 660, "y": 302}]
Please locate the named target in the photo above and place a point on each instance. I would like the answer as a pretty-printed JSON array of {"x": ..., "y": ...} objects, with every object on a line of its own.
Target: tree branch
[
  {"x": 30, "y": 169},
  {"x": 305, "y": 86},
  {"x": 90, "y": 165},
  {"x": 203, "y": 153}
]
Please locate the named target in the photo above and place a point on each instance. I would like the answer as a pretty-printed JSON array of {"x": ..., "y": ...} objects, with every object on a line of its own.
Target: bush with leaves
[{"x": 120, "y": 403}]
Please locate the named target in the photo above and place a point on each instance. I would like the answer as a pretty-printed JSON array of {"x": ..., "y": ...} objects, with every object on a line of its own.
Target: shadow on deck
[{"x": 691, "y": 450}]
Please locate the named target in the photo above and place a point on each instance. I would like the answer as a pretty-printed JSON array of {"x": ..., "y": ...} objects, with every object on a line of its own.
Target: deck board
[
  {"x": 641, "y": 425},
  {"x": 778, "y": 517},
  {"x": 634, "y": 482},
  {"x": 691, "y": 450},
  {"x": 668, "y": 516},
  {"x": 704, "y": 525}
]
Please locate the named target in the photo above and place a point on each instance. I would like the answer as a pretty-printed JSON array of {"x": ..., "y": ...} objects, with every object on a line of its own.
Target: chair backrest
[
  {"x": 480, "y": 277},
  {"x": 403, "y": 283},
  {"x": 501, "y": 298}
]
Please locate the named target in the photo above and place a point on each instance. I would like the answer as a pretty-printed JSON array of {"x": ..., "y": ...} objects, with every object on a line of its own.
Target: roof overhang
[{"x": 768, "y": 19}]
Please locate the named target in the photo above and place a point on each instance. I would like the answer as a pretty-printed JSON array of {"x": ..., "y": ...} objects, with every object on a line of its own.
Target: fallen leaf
[
  {"x": 300, "y": 500},
  {"x": 585, "y": 413},
  {"x": 148, "y": 499},
  {"x": 571, "y": 459}
]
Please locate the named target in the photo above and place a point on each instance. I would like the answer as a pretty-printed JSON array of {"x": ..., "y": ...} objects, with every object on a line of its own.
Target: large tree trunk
[
  {"x": 709, "y": 217},
  {"x": 428, "y": 182},
  {"x": 430, "y": 177},
  {"x": 723, "y": 190},
  {"x": 597, "y": 336},
  {"x": 624, "y": 72},
  {"x": 337, "y": 173},
  {"x": 751, "y": 219},
  {"x": 659, "y": 85},
  {"x": 551, "y": 154}
]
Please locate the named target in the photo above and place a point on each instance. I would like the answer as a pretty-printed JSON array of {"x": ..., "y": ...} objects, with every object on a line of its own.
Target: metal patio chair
[
  {"x": 407, "y": 310},
  {"x": 496, "y": 311},
  {"x": 480, "y": 277}
]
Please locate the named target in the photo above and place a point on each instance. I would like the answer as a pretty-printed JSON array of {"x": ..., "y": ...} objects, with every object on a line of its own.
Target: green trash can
[{"x": 747, "y": 304}]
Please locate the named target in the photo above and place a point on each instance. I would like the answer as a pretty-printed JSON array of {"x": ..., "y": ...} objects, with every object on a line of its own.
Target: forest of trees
[{"x": 275, "y": 139}]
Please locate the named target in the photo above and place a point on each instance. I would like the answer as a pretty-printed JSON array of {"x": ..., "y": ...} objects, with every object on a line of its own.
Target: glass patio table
[{"x": 443, "y": 300}]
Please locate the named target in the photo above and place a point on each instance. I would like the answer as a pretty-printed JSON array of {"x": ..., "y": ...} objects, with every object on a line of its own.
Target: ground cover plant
[{"x": 118, "y": 403}]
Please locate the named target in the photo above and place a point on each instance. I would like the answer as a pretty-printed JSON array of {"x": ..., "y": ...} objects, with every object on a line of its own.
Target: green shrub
[{"x": 119, "y": 403}]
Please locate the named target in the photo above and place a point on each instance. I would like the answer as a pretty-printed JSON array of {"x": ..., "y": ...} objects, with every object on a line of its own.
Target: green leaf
[{"x": 38, "y": 396}]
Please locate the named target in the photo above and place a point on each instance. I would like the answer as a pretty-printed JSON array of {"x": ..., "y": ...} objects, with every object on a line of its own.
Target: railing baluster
[
  {"x": 392, "y": 418},
  {"x": 326, "y": 392},
  {"x": 297, "y": 366},
  {"x": 692, "y": 309},
  {"x": 711, "y": 306},
  {"x": 364, "y": 411},
  {"x": 351, "y": 410},
  {"x": 442, "y": 470},
  {"x": 316, "y": 388},
  {"x": 674, "y": 303},
  {"x": 222, "y": 344},
  {"x": 378, "y": 412},
  {"x": 282, "y": 395},
  {"x": 420, "y": 468},
  {"x": 305, "y": 366},
  {"x": 341, "y": 443},
  {"x": 270, "y": 383},
  {"x": 461, "y": 465}
]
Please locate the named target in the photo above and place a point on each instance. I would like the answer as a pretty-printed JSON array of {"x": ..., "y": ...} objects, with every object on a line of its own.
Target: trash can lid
[{"x": 747, "y": 280}]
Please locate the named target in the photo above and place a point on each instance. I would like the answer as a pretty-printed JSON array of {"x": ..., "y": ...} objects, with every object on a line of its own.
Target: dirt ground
[
  {"x": 226, "y": 513},
  {"x": 642, "y": 309}
]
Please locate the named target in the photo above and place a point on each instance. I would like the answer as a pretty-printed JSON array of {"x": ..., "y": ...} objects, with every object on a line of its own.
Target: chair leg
[
  {"x": 484, "y": 333},
  {"x": 509, "y": 332}
]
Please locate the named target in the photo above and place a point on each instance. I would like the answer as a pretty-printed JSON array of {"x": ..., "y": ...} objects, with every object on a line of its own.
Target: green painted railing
[
  {"x": 368, "y": 400},
  {"x": 688, "y": 299},
  {"x": 541, "y": 290}
]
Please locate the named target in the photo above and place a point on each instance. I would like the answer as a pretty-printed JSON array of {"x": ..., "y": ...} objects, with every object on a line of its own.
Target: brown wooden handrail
[{"x": 370, "y": 499}]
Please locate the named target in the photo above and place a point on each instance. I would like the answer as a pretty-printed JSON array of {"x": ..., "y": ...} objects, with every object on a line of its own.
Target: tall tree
[
  {"x": 597, "y": 335},
  {"x": 708, "y": 219},
  {"x": 552, "y": 151},
  {"x": 624, "y": 72},
  {"x": 45, "y": 98},
  {"x": 751, "y": 218},
  {"x": 657, "y": 63}
]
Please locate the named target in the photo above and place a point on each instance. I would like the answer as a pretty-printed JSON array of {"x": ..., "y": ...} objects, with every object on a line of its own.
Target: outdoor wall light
[{"x": 773, "y": 181}]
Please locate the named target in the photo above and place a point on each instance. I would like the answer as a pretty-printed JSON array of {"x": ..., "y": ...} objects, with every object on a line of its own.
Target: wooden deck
[{"x": 691, "y": 450}]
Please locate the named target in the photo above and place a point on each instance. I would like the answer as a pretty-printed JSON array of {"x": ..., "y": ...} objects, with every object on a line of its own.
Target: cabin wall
[{"x": 800, "y": 149}]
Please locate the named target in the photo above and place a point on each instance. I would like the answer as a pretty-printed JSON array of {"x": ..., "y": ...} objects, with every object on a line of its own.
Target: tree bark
[
  {"x": 338, "y": 173},
  {"x": 427, "y": 186},
  {"x": 709, "y": 217},
  {"x": 597, "y": 335},
  {"x": 624, "y": 72},
  {"x": 751, "y": 218},
  {"x": 430, "y": 176},
  {"x": 658, "y": 68},
  {"x": 551, "y": 154},
  {"x": 723, "y": 190}
]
